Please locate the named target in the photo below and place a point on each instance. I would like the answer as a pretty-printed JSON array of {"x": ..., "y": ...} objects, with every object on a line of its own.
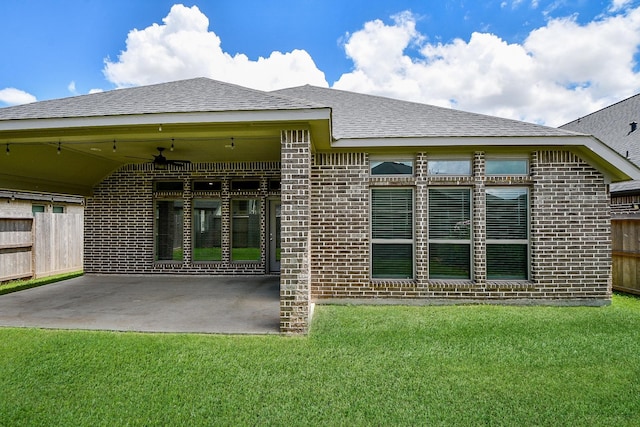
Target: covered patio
[
  {"x": 194, "y": 177},
  {"x": 150, "y": 303}
]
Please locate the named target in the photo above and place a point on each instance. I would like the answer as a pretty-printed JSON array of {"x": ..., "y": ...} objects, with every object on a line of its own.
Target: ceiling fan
[{"x": 161, "y": 162}]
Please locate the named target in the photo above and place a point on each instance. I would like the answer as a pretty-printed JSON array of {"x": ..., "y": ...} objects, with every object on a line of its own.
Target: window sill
[
  {"x": 393, "y": 282},
  {"x": 509, "y": 284}
]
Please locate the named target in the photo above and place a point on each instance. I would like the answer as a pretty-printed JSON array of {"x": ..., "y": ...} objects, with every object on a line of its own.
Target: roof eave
[
  {"x": 614, "y": 166},
  {"x": 295, "y": 115}
]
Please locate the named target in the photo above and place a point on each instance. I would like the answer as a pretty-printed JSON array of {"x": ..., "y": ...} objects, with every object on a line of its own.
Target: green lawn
[
  {"x": 18, "y": 285},
  {"x": 464, "y": 365}
]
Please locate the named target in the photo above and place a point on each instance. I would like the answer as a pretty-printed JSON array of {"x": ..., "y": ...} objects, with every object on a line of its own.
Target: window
[
  {"x": 449, "y": 167},
  {"x": 245, "y": 185},
  {"x": 507, "y": 167},
  {"x": 392, "y": 167},
  {"x": 169, "y": 185},
  {"x": 58, "y": 209},
  {"x": 392, "y": 233},
  {"x": 207, "y": 230},
  {"x": 449, "y": 233},
  {"x": 245, "y": 228},
  {"x": 274, "y": 185},
  {"x": 507, "y": 233},
  {"x": 37, "y": 208},
  {"x": 168, "y": 227},
  {"x": 207, "y": 186}
]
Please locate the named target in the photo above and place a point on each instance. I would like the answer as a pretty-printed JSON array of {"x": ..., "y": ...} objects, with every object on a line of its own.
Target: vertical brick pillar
[
  {"x": 479, "y": 218},
  {"x": 421, "y": 221},
  {"x": 226, "y": 222},
  {"x": 295, "y": 277},
  {"x": 186, "y": 213}
]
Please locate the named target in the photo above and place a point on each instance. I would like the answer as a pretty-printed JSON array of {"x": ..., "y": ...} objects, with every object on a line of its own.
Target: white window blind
[
  {"x": 392, "y": 233},
  {"x": 507, "y": 211},
  {"x": 449, "y": 233}
]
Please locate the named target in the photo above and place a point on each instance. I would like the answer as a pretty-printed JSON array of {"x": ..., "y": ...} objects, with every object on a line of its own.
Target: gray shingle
[
  {"x": 611, "y": 125},
  {"x": 354, "y": 115},
  {"x": 365, "y": 116},
  {"x": 194, "y": 95}
]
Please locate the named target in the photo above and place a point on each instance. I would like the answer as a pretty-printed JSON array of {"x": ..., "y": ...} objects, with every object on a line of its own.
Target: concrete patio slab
[{"x": 150, "y": 303}]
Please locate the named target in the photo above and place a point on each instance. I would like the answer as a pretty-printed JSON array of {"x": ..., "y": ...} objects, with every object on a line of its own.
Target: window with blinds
[
  {"x": 392, "y": 233},
  {"x": 507, "y": 211},
  {"x": 449, "y": 233}
]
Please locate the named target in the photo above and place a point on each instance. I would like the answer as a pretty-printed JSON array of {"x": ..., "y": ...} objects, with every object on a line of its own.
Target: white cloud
[
  {"x": 617, "y": 5},
  {"x": 560, "y": 72},
  {"x": 13, "y": 96},
  {"x": 95, "y": 91},
  {"x": 183, "y": 47},
  {"x": 72, "y": 87}
]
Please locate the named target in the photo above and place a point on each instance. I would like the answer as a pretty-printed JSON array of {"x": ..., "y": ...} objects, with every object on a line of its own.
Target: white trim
[
  {"x": 168, "y": 118},
  {"x": 617, "y": 168},
  {"x": 526, "y": 242},
  {"x": 383, "y": 241},
  {"x": 461, "y": 141}
]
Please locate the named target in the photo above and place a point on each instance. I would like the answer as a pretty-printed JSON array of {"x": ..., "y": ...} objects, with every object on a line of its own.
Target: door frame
[{"x": 273, "y": 263}]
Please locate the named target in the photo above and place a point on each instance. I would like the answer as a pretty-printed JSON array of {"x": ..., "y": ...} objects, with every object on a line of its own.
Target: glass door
[{"x": 274, "y": 236}]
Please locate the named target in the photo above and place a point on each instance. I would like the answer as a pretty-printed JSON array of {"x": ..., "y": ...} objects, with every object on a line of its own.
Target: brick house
[{"x": 345, "y": 196}]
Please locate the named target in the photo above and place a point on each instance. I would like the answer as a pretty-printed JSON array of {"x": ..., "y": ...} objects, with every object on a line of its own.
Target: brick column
[
  {"x": 479, "y": 220},
  {"x": 421, "y": 221},
  {"x": 295, "y": 277},
  {"x": 186, "y": 229}
]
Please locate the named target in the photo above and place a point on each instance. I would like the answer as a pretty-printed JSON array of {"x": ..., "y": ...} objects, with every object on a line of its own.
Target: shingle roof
[
  {"x": 194, "y": 95},
  {"x": 354, "y": 115},
  {"x": 365, "y": 116},
  {"x": 611, "y": 125}
]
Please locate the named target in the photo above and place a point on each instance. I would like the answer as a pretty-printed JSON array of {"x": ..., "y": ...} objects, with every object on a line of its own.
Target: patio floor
[{"x": 150, "y": 303}]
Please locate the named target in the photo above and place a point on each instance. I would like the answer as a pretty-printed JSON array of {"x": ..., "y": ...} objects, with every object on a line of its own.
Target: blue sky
[{"x": 541, "y": 61}]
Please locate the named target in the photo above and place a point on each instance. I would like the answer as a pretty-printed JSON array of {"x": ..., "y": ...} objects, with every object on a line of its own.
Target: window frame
[
  {"x": 392, "y": 159},
  {"x": 467, "y": 242},
  {"x": 380, "y": 241},
  {"x": 431, "y": 160},
  {"x": 156, "y": 230},
  {"x": 193, "y": 230},
  {"x": 526, "y": 242},
  {"x": 261, "y": 204},
  {"x": 507, "y": 158}
]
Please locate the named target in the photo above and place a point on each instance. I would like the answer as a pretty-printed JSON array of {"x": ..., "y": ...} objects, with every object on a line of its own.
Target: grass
[
  {"x": 464, "y": 365},
  {"x": 215, "y": 254},
  {"x": 19, "y": 285}
]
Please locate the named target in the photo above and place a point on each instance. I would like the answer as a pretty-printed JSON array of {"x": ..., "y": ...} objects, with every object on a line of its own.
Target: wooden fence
[
  {"x": 625, "y": 239},
  {"x": 47, "y": 244}
]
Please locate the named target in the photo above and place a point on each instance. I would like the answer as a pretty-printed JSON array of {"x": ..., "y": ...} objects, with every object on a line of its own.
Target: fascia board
[
  {"x": 300, "y": 115},
  {"x": 616, "y": 166},
  {"x": 41, "y": 197}
]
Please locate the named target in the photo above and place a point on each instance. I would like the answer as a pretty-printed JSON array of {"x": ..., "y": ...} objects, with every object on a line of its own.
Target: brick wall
[
  {"x": 295, "y": 296},
  {"x": 340, "y": 224},
  {"x": 119, "y": 217},
  {"x": 571, "y": 228},
  {"x": 569, "y": 241}
]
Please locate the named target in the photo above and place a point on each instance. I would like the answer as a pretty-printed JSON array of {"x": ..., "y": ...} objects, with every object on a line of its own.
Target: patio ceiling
[{"x": 86, "y": 154}]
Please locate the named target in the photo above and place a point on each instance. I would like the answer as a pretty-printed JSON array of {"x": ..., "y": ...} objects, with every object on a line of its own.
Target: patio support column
[
  {"x": 295, "y": 277},
  {"x": 479, "y": 252}
]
